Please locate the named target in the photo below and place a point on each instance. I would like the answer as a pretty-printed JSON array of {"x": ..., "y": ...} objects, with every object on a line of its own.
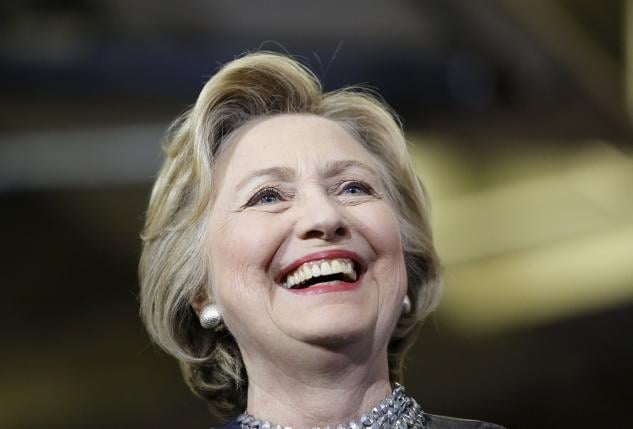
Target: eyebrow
[
  {"x": 283, "y": 174},
  {"x": 286, "y": 174},
  {"x": 333, "y": 168}
]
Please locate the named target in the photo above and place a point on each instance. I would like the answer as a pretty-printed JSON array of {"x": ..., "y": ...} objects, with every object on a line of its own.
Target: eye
[
  {"x": 265, "y": 196},
  {"x": 268, "y": 198},
  {"x": 356, "y": 188}
]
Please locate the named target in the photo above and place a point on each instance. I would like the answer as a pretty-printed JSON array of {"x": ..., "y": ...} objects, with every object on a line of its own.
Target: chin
[{"x": 335, "y": 326}]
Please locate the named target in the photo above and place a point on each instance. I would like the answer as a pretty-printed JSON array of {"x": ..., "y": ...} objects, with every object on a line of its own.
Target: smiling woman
[
  {"x": 287, "y": 254},
  {"x": 264, "y": 245}
]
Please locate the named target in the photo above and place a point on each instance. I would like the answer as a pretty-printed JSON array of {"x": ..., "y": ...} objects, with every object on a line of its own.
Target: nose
[{"x": 321, "y": 218}]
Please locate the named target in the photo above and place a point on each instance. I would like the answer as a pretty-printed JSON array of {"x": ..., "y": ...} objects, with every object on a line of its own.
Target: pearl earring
[
  {"x": 210, "y": 316},
  {"x": 406, "y": 305}
]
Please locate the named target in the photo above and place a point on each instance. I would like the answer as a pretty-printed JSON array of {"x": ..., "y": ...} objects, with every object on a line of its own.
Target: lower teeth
[{"x": 330, "y": 282}]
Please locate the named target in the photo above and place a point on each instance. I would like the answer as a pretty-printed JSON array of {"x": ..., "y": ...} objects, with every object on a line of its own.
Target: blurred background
[{"x": 519, "y": 118}]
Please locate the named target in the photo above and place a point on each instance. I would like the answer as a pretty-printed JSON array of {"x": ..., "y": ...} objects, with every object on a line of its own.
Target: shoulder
[{"x": 443, "y": 422}]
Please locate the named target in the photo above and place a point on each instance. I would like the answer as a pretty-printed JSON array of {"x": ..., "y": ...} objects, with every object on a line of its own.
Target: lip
[
  {"x": 339, "y": 286},
  {"x": 324, "y": 255}
]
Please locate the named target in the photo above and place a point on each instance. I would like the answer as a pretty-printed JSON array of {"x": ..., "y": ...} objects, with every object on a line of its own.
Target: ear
[{"x": 198, "y": 301}]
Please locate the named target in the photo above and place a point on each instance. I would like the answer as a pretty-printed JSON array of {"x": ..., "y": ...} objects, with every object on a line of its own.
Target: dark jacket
[
  {"x": 433, "y": 422},
  {"x": 442, "y": 422}
]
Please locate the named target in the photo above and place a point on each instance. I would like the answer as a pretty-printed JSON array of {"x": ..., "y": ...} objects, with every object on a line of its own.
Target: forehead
[{"x": 297, "y": 141}]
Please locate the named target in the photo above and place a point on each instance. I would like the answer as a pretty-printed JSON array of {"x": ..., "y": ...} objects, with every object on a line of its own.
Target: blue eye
[
  {"x": 267, "y": 198},
  {"x": 264, "y": 197},
  {"x": 356, "y": 188}
]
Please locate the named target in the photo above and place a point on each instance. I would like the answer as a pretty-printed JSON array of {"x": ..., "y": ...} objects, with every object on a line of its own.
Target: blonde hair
[{"x": 173, "y": 268}]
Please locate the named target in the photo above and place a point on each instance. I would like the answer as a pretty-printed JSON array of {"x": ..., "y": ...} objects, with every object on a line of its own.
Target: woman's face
[{"x": 304, "y": 246}]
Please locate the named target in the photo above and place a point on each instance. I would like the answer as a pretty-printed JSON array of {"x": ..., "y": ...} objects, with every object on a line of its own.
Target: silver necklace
[{"x": 396, "y": 411}]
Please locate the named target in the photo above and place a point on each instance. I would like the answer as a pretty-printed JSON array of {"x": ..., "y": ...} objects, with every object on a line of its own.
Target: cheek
[
  {"x": 239, "y": 252},
  {"x": 382, "y": 229},
  {"x": 231, "y": 269}
]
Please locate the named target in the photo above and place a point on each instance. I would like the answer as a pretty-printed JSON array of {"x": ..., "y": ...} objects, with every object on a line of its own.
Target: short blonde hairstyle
[{"x": 173, "y": 267}]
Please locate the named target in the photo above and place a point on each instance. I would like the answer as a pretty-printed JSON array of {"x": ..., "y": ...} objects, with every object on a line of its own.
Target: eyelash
[
  {"x": 267, "y": 191},
  {"x": 279, "y": 194},
  {"x": 365, "y": 187}
]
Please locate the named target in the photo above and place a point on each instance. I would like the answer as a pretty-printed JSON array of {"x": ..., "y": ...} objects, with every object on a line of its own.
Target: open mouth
[{"x": 321, "y": 272}]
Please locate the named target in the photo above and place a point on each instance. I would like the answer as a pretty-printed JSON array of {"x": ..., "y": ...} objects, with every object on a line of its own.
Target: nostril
[
  {"x": 314, "y": 233},
  {"x": 326, "y": 234},
  {"x": 340, "y": 231}
]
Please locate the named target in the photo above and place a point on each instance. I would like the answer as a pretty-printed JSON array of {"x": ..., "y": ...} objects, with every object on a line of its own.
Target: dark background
[{"x": 518, "y": 119}]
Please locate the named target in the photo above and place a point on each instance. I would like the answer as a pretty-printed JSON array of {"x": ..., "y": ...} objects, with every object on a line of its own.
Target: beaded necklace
[{"x": 396, "y": 411}]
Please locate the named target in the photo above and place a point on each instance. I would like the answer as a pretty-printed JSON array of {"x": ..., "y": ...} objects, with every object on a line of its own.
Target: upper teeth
[{"x": 320, "y": 268}]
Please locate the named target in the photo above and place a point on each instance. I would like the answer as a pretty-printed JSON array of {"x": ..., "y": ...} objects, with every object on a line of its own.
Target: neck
[{"x": 326, "y": 389}]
